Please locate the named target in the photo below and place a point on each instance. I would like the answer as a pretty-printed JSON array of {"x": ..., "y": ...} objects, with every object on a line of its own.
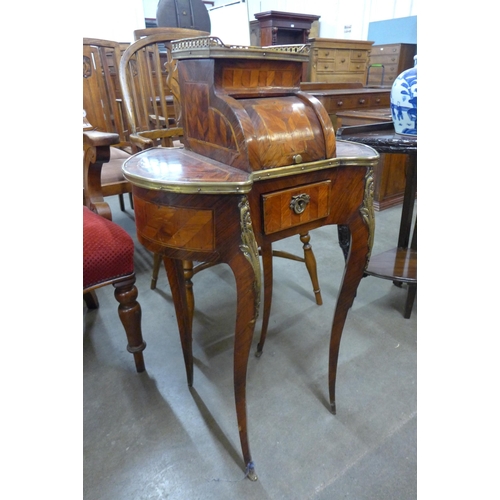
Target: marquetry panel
[
  {"x": 287, "y": 131},
  {"x": 204, "y": 122},
  {"x": 278, "y": 211},
  {"x": 235, "y": 77},
  {"x": 175, "y": 227}
]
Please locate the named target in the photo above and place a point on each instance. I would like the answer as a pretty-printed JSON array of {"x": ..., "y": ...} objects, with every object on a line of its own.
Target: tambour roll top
[{"x": 243, "y": 106}]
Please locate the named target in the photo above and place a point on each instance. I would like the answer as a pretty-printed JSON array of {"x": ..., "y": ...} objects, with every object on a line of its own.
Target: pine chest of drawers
[
  {"x": 338, "y": 61},
  {"x": 388, "y": 61}
]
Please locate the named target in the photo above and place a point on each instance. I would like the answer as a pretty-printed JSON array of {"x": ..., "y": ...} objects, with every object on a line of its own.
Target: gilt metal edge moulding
[
  {"x": 164, "y": 179},
  {"x": 211, "y": 46}
]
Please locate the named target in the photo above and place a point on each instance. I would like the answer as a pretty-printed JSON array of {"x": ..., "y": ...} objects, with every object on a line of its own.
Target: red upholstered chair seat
[
  {"x": 108, "y": 258},
  {"x": 108, "y": 250}
]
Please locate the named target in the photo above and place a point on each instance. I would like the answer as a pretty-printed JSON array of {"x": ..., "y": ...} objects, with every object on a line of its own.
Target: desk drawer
[
  {"x": 348, "y": 102},
  {"x": 359, "y": 55},
  {"x": 385, "y": 59},
  {"x": 385, "y": 50},
  {"x": 292, "y": 207},
  {"x": 380, "y": 100},
  {"x": 357, "y": 66},
  {"x": 325, "y": 66},
  {"x": 342, "y": 60}
]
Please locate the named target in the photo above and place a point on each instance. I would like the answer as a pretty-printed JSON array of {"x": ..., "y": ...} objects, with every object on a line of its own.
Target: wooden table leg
[
  {"x": 354, "y": 270},
  {"x": 360, "y": 232},
  {"x": 246, "y": 268},
  {"x": 175, "y": 273},
  {"x": 245, "y": 324},
  {"x": 267, "y": 265},
  {"x": 242, "y": 255},
  {"x": 408, "y": 202}
]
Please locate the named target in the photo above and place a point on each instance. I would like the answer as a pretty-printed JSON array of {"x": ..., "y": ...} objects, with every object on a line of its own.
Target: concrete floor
[{"x": 148, "y": 436}]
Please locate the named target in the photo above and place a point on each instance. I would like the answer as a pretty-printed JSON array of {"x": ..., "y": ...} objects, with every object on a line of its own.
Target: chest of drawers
[
  {"x": 338, "y": 61},
  {"x": 388, "y": 61}
]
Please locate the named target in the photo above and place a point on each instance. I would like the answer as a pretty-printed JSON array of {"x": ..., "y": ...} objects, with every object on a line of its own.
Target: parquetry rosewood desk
[{"x": 259, "y": 165}]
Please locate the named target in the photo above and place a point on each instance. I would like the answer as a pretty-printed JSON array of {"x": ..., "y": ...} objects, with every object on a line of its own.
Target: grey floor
[{"x": 148, "y": 436}]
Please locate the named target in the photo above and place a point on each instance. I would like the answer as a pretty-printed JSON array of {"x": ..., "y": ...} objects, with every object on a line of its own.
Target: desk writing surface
[
  {"x": 177, "y": 169},
  {"x": 181, "y": 170}
]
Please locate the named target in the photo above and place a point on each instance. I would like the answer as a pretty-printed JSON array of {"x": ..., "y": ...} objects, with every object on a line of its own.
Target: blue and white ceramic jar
[{"x": 404, "y": 102}]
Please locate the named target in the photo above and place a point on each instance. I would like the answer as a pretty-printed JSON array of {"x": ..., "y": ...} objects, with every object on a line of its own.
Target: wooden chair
[
  {"x": 151, "y": 97},
  {"x": 108, "y": 259},
  {"x": 102, "y": 105},
  {"x": 148, "y": 82}
]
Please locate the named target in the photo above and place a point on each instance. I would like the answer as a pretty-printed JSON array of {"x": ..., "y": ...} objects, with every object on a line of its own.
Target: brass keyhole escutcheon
[{"x": 299, "y": 203}]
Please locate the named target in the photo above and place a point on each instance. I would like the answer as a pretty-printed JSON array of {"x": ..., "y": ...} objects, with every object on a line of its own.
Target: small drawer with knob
[
  {"x": 325, "y": 53},
  {"x": 325, "y": 66},
  {"x": 296, "y": 206},
  {"x": 384, "y": 50},
  {"x": 357, "y": 66},
  {"x": 380, "y": 100},
  {"x": 359, "y": 55},
  {"x": 342, "y": 60},
  {"x": 342, "y": 102}
]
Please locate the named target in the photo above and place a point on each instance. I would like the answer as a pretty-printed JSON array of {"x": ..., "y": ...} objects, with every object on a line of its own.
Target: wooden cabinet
[
  {"x": 336, "y": 99},
  {"x": 284, "y": 28},
  {"x": 390, "y": 173},
  {"x": 338, "y": 61},
  {"x": 388, "y": 61}
]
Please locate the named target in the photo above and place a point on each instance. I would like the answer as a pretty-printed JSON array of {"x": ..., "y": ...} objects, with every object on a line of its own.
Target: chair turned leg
[
  {"x": 188, "y": 268},
  {"x": 157, "y": 259},
  {"x": 122, "y": 203},
  {"x": 91, "y": 300},
  {"x": 131, "y": 198},
  {"x": 130, "y": 314},
  {"x": 410, "y": 298},
  {"x": 310, "y": 261}
]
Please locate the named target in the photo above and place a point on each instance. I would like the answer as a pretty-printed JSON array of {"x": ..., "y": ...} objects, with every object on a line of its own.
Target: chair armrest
[
  {"x": 151, "y": 138},
  {"x": 141, "y": 142},
  {"x": 96, "y": 138},
  {"x": 96, "y": 151}
]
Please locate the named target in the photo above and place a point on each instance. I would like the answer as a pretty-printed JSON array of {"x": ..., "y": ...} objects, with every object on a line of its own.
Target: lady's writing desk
[{"x": 259, "y": 165}]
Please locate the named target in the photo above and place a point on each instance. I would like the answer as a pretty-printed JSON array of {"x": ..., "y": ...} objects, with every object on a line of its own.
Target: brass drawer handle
[{"x": 299, "y": 203}]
